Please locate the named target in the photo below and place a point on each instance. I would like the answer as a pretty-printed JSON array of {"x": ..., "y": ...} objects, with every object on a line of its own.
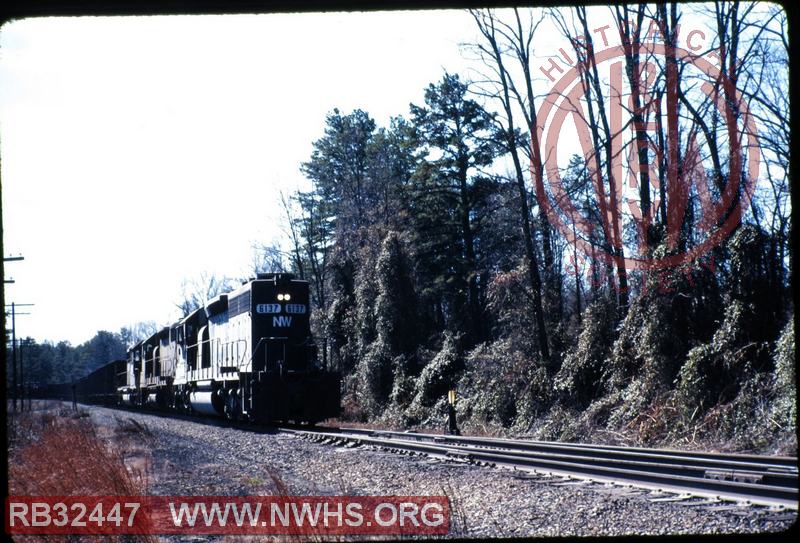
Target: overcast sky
[{"x": 137, "y": 151}]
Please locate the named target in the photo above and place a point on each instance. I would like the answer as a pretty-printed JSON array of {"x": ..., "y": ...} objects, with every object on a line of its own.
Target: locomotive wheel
[{"x": 232, "y": 405}]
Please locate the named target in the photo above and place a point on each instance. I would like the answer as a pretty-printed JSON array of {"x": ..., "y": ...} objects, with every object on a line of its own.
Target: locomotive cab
[
  {"x": 281, "y": 327},
  {"x": 290, "y": 385}
]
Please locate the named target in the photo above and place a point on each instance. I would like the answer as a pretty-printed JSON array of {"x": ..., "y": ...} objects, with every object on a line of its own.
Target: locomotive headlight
[
  {"x": 287, "y": 297},
  {"x": 280, "y": 296}
]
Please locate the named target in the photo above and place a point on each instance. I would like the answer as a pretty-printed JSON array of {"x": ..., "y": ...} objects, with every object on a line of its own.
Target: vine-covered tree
[
  {"x": 392, "y": 351},
  {"x": 435, "y": 267}
]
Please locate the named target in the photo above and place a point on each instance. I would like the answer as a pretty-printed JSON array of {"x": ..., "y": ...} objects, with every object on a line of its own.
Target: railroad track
[
  {"x": 754, "y": 479},
  {"x": 741, "y": 478}
]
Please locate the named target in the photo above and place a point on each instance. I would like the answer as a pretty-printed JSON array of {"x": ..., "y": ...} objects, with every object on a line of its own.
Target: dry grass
[
  {"x": 60, "y": 454},
  {"x": 133, "y": 427},
  {"x": 655, "y": 422},
  {"x": 68, "y": 459}
]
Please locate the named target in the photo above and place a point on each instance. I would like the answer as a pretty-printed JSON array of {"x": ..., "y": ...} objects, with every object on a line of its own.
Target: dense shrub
[
  {"x": 557, "y": 425},
  {"x": 510, "y": 303},
  {"x": 784, "y": 407},
  {"x": 502, "y": 388},
  {"x": 374, "y": 374},
  {"x": 579, "y": 380},
  {"x": 637, "y": 367},
  {"x": 436, "y": 378},
  {"x": 713, "y": 372}
]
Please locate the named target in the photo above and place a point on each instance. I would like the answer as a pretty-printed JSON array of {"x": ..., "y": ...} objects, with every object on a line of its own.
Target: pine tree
[{"x": 454, "y": 134}]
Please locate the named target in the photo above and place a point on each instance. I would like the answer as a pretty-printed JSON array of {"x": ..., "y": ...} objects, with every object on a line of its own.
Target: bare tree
[
  {"x": 195, "y": 292},
  {"x": 138, "y": 331},
  {"x": 294, "y": 234},
  {"x": 500, "y": 38},
  {"x": 630, "y": 34},
  {"x": 268, "y": 258}
]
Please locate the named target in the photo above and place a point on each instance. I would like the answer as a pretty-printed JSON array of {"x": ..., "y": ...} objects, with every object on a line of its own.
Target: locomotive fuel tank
[
  {"x": 205, "y": 400},
  {"x": 202, "y": 401}
]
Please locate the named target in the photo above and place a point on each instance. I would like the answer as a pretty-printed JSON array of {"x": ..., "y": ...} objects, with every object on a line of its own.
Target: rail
[
  {"x": 758, "y": 479},
  {"x": 744, "y": 478}
]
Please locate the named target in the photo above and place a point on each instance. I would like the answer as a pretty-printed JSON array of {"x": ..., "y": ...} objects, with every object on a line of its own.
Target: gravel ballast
[{"x": 186, "y": 457}]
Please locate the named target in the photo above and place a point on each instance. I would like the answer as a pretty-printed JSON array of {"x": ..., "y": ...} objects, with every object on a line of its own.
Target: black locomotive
[{"x": 247, "y": 354}]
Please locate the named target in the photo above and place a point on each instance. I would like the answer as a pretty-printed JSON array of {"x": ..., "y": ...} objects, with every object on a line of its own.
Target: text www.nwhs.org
[{"x": 253, "y": 515}]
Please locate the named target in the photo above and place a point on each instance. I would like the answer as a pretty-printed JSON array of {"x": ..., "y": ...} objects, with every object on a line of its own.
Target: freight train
[{"x": 248, "y": 354}]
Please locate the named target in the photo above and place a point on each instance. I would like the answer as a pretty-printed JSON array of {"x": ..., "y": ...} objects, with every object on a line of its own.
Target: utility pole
[
  {"x": 15, "y": 391},
  {"x": 14, "y": 352},
  {"x": 21, "y": 380},
  {"x": 15, "y": 381},
  {"x": 11, "y": 259},
  {"x": 25, "y": 387},
  {"x": 21, "y": 377},
  {"x": 26, "y": 343}
]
